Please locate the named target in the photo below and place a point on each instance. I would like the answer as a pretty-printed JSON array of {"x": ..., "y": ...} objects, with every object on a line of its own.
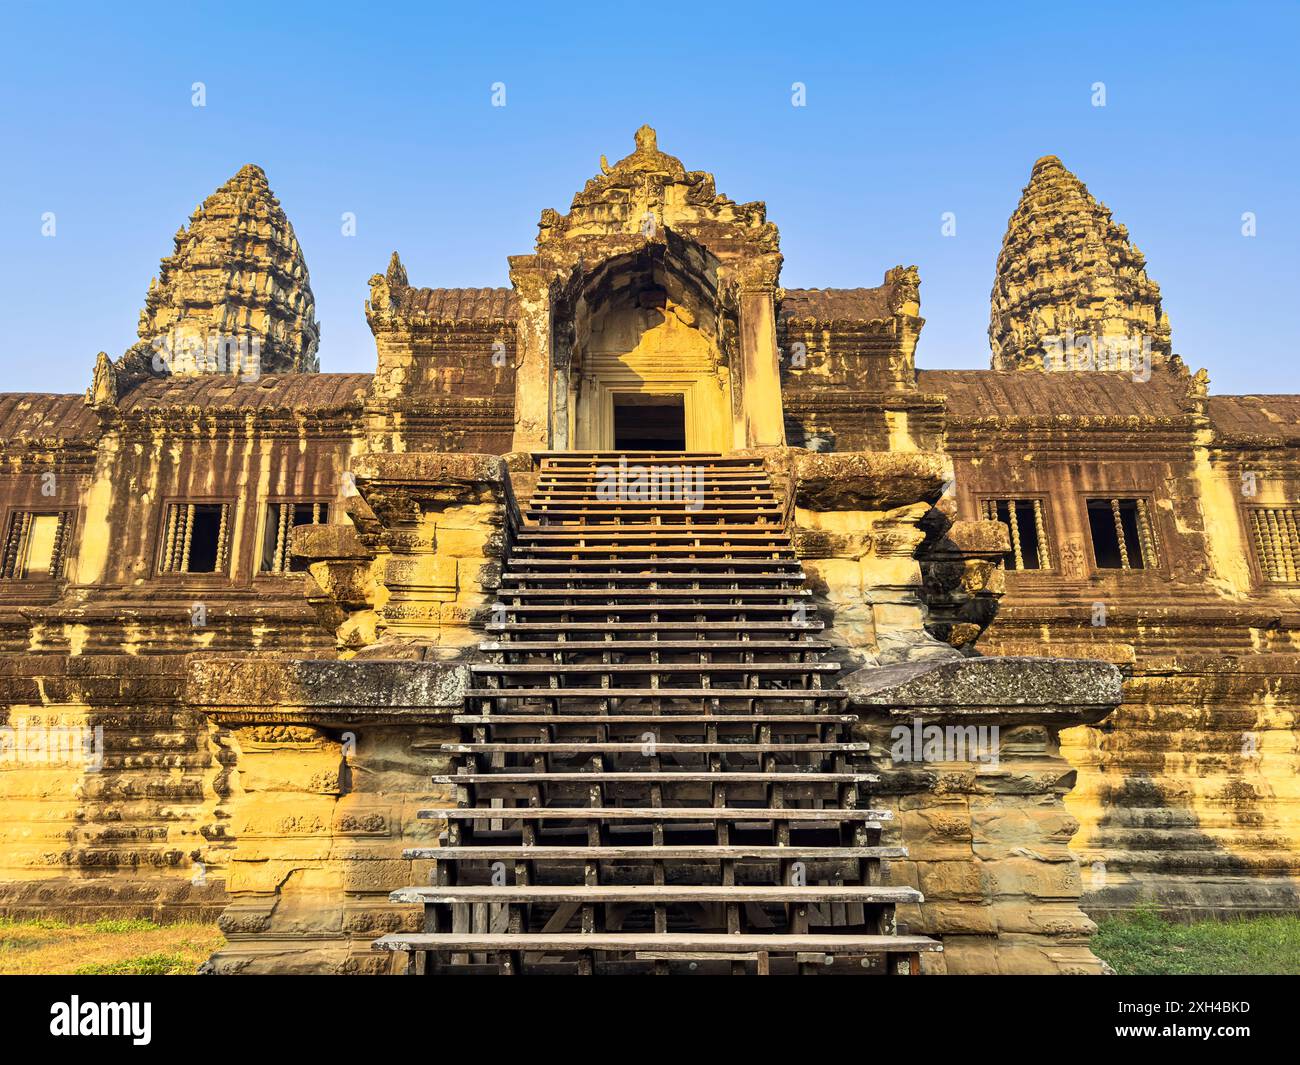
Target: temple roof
[
  {"x": 458, "y": 304},
  {"x": 981, "y": 394},
  {"x": 836, "y": 304},
  {"x": 26, "y": 417},
  {"x": 1256, "y": 419},
  {"x": 291, "y": 391}
]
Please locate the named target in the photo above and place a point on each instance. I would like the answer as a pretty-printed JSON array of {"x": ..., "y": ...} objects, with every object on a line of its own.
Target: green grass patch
[
  {"x": 1143, "y": 943},
  {"x": 146, "y": 965},
  {"x": 118, "y": 926}
]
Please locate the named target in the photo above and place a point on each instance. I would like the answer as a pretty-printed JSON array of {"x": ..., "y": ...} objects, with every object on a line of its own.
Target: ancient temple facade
[{"x": 268, "y": 612}]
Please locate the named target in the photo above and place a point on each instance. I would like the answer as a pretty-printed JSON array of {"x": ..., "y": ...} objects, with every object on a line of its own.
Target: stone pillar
[
  {"x": 762, "y": 414},
  {"x": 443, "y": 521},
  {"x": 533, "y": 377}
]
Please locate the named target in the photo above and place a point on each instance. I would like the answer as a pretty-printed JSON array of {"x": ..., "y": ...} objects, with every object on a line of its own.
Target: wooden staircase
[{"x": 655, "y": 772}]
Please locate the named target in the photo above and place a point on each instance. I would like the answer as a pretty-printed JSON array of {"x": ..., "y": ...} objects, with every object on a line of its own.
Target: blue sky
[{"x": 384, "y": 110}]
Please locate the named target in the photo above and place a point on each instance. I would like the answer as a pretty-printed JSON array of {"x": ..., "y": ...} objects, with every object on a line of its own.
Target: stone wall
[
  {"x": 330, "y": 763},
  {"x": 982, "y": 810}
]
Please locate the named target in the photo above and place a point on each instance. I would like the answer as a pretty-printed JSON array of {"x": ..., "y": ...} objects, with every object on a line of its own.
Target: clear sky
[{"x": 913, "y": 110}]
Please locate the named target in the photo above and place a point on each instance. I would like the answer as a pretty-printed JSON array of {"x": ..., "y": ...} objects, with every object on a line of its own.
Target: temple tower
[
  {"x": 1071, "y": 290},
  {"x": 234, "y": 296}
]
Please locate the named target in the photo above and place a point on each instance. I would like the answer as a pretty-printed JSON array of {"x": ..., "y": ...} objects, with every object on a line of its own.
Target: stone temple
[{"x": 648, "y": 616}]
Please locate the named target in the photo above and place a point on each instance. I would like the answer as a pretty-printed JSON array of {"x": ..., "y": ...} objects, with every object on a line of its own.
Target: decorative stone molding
[{"x": 425, "y": 556}]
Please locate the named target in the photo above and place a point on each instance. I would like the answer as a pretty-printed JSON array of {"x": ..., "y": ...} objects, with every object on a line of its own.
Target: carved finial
[
  {"x": 646, "y": 139},
  {"x": 396, "y": 274},
  {"x": 604, "y": 164},
  {"x": 103, "y": 386}
]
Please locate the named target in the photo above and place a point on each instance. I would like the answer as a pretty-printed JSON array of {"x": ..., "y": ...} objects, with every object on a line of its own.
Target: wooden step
[
  {"x": 667, "y": 717},
  {"x": 676, "y": 942},
  {"x": 711, "y": 646},
  {"x": 655, "y": 813},
  {"x": 636, "y": 552},
  {"x": 760, "y": 592},
  {"x": 612, "y": 610},
  {"x": 793, "y": 694},
  {"x": 658, "y": 894},
  {"x": 557, "y": 668},
  {"x": 451, "y": 852},
  {"x": 744, "y": 625},
  {"x": 621, "y": 581},
  {"x": 556, "y": 567},
  {"x": 663, "y": 776},
  {"x": 660, "y": 746},
  {"x": 668, "y": 534}
]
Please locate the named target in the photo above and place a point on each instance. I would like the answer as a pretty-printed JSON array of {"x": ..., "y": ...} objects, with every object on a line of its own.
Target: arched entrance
[{"x": 648, "y": 370}]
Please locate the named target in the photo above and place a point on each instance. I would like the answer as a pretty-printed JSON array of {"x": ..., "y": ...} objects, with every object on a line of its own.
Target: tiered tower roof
[
  {"x": 1070, "y": 284},
  {"x": 236, "y": 282}
]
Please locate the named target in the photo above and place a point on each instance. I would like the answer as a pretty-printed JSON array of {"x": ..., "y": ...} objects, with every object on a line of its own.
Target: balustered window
[
  {"x": 1030, "y": 548},
  {"x": 1122, "y": 534},
  {"x": 280, "y": 519},
  {"x": 196, "y": 538},
  {"x": 1275, "y": 535},
  {"x": 35, "y": 544}
]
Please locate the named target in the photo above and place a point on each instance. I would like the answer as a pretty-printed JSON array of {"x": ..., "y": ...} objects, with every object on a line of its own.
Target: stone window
[
  {"x": 1275, "y": 534},
  {"x": 35, "y": 544},
  {"x": 1122, "y": 536},
  {"x": 196, "y": 538},
  {"x": 280, "y": 518},
  {"x": 1030, "y": 548}
]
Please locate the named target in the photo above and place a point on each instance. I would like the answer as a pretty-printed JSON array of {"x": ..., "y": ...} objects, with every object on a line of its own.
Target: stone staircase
[{"x": 655, "y": 773}]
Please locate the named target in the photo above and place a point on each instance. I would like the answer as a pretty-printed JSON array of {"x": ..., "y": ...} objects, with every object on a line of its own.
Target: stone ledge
[
  {"x": 1047, "y": 690},
  {"x": 321, "y": 691}
]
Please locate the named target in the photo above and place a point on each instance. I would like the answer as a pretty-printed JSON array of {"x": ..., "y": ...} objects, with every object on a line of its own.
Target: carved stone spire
[
  {"x": 234, "y": 296},
  {"x": 1071, "y": 290}
]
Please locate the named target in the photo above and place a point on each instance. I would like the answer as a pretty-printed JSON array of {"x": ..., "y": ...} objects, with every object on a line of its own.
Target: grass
[
  {"x": 1143, "y": 943},
  {"x": 105, "y": 948}
]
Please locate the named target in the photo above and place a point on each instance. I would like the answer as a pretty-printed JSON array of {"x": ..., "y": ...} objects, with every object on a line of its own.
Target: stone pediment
[{"x": 650, "y": 190}]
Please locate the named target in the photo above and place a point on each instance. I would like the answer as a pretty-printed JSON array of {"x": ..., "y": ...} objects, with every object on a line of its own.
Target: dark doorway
[{"x": 644, "y": 422}]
